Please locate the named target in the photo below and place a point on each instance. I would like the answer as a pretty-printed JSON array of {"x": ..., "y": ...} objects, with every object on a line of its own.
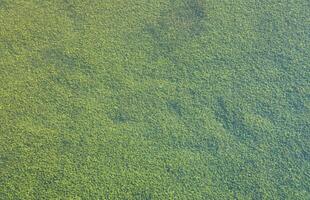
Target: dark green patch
[
  {"x": 143, "y": 195},
  {"x": 193, "y": 10},
  {"x": 119, "y": 116},
  {"x": 232, "y": 120},
  {"x": 67, "y": 62},
  {"x": 3, "y": 4},
  {"x": 212, "y": 145},
  {"x": 71, "y": 10},
  {"x": 175, "y": 107},
  {"x": 296, "y": 101}
]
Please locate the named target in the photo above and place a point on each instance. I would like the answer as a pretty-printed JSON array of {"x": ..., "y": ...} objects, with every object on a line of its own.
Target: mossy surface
[{"x": 165, "y": 99}]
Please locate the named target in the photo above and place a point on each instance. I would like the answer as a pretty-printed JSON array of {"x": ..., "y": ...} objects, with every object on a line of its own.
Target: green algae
[{"x": 186, "y": 99}]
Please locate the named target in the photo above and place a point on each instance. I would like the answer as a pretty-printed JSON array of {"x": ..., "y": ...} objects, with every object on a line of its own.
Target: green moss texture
[{"x": 155, "y": 99}]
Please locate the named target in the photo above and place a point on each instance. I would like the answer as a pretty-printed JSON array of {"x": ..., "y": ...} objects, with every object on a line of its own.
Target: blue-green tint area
[{"x": 165, "y": 99}]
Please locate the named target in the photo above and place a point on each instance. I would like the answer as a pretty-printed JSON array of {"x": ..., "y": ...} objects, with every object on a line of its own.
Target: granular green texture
[{"x": 155, "y": 99}]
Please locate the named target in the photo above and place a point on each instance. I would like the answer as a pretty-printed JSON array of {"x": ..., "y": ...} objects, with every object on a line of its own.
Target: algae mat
[{"x": 165, "y": 99}]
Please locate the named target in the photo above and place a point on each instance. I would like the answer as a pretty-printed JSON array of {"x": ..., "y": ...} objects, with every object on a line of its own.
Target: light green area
[{"x": 162, "y": 99}]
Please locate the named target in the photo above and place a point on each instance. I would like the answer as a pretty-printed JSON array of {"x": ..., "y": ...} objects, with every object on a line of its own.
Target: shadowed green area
[{"x": 165, "y": 99}]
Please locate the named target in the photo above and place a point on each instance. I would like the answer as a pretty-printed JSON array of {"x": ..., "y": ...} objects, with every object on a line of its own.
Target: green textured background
[{"x": 155, "y": 99}]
